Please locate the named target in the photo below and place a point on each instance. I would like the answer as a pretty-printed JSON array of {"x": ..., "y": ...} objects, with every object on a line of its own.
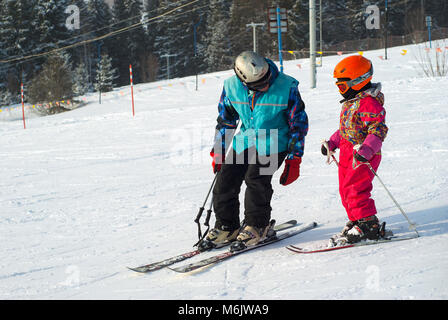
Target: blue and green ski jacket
[{"x": 272, "y": 121}]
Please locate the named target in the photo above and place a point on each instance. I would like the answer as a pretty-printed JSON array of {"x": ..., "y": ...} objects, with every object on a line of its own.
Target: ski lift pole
[
  {"x": 429, "y": 25},
  {"x": 132, "y": 89},
  {"x": 99, "y": 44},
  {"x": 23, "y": 105},
  {"x": 279, "y": 36}
]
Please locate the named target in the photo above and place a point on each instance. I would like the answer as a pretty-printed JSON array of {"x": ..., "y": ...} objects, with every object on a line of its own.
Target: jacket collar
[
  {"x": 274, "y": 71},
  {"x": 374, "y": 91}
]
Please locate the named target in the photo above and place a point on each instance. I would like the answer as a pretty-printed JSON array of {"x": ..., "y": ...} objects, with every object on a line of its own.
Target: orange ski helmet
[{"x": 353, "y": 72}]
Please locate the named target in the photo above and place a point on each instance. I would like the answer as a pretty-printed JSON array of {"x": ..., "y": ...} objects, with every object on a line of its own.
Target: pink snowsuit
[{"x": 362, "y": 121}]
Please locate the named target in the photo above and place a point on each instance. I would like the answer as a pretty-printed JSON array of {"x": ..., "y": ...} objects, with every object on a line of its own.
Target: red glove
[
  {"x": 218, "y": 160},
  {"x": 291, "y": 171}
]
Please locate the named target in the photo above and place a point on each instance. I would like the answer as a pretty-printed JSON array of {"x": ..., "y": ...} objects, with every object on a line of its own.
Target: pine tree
[
  {"x": 175, "y": 36},
  {"x": 438, "y": 10},
  {"x": 5, "y": 22},
  {"x": 17, "y": 39},
  {"x": 99, "y": 17},
  {"x": 128, "y": 47},
  {"x": 149, "y": 64},
  {"x": 96, "y": 23},
  {"x": 396, "y": 21},
  {"x": 6, "y": 29},
  {"x": 137, "y": 38},
  {"x": 80, "y": 80},
  {"x": 119, "y": 51},
  {"x": 354, "y": 15},
  {"x": 334, "y": 22},
  {"x": 243, "y": 12},
  {"x": 50, "y": 23},
  {"x": 218, "y": 45},
  {"x": 5, "y": 97},
  {"x": 164, "y": 42},
  {"x": 54, "y": 82},
  {"x": 105, "y": 75},
  {"x": 298, "y": 26},
  {"x": 80, "y": 54},
  {"x": 150, "y": 11}
]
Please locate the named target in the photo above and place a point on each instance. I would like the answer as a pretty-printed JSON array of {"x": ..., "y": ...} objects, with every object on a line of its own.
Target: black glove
[
  {"x": 359, "y": 157},
  {"x": 323, "y": 150}
]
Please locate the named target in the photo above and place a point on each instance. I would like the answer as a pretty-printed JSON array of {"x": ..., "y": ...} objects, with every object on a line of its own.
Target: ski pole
[
  {"x": 201, "y": 209},
  {"x": 209, "y": 211},
  {"x": 412, "y": 225},
  {"x": 206, "y": 223}
]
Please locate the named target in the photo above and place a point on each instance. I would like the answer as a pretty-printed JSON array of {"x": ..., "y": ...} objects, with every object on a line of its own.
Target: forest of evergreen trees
[{"x": 29, "y": 29}]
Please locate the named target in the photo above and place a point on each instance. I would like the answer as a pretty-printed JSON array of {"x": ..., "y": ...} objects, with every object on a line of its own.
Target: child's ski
[{"x": 357, "y": 244}]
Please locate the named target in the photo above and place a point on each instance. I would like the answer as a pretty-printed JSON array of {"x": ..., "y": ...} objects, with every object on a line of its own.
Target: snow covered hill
[{"x": 86, "y": 193}]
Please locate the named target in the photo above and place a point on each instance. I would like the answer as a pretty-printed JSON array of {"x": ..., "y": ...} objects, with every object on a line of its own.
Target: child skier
[{"x": 362, "y": 124}]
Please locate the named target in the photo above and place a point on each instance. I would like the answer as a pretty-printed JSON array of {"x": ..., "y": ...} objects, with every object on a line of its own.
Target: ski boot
[
  {"x": 363, "y": 229},
  {"x": 216, "y": 237},
  {"x": 250, "y": 236}
]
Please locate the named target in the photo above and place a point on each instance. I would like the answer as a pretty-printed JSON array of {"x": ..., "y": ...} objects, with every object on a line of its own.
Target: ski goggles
[
  {"x": 345, "y": 83},
  {"x": 259, "y": 84}
]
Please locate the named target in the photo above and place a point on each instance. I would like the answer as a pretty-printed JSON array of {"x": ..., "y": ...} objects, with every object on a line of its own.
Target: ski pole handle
[
  {"x": 201, "y": 210},
  {"x": 355, "y": 163},
  {"x": 209, "y": 213}
]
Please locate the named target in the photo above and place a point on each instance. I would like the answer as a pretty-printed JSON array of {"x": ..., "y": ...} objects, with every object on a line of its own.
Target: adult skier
[
  {"x": 362, "y": 123},
  {"x": 273, "y": 128}
]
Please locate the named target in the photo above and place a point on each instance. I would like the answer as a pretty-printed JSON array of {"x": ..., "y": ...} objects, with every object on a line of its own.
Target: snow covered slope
[{"x": 86, "y": 193}]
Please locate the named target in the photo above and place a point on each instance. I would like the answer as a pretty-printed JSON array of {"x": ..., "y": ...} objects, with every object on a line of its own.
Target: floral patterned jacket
[{"x": 364, "y": 115}]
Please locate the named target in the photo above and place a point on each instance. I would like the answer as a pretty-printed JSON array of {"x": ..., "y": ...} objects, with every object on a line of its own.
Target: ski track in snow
[{"x": 86, "y": 193}]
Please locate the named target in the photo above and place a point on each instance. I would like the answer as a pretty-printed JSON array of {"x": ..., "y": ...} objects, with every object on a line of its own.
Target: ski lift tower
[
  {"x": 429, "y": 25},
  {"x": 278, "y": 23},
  {"x": 313, "y": 43}
]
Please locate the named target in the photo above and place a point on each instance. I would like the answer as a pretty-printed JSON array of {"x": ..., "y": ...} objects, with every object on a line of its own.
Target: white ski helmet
[{"x": 250, "y": 67}]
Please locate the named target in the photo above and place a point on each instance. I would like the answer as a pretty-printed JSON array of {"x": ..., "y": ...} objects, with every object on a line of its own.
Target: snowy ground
[{"x": 86, "y": 193}]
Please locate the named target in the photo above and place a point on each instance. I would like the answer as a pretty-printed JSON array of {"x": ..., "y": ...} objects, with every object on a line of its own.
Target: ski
[
  {"x": 228, "y": 254},
  {"x": 357, "y": 244},
  {"x": 181, "y": 257}
]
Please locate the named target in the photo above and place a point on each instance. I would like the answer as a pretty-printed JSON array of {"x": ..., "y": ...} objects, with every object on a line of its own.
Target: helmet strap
[{"x": 361, "y": 78}]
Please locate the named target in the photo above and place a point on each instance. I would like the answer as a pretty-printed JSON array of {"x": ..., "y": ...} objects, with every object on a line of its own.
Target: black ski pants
[{"x": 256, "y": 171}]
